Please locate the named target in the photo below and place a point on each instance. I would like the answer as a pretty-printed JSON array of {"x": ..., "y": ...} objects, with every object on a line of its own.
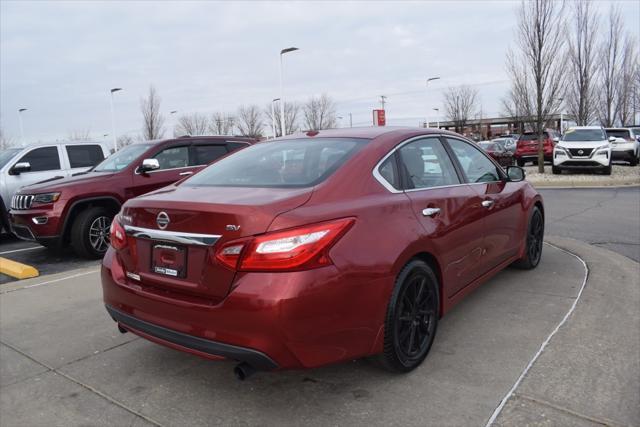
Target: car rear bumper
[
  {"x": 167, "y": 336},
  {"x": 623, "y": 154},
  {"x": 283, "y": 320}
]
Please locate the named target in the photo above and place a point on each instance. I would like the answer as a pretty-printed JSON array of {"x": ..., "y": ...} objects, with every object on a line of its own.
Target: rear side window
[
  {"x": 280, "y": 164},
  {"x": 84, "y": 156},
  {"x": 389, "y": 172},
  {"x": 475, "y": 164},
  {"x": 42, "y": 159},
  {"x": 426, "y": 164},
  {"x": 205, "y": 154}
]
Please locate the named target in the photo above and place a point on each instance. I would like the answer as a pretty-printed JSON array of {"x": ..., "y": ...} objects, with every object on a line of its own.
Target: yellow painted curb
[{"x": 16, "y": 269}]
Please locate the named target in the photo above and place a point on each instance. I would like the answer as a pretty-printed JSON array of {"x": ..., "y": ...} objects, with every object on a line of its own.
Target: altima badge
[{"x": 162, "y": 220}]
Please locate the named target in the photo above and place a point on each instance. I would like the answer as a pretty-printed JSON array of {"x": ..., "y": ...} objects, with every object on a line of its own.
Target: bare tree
[
  {"x": 5, "y": 141},
  {"x": 582, "y": 55},
  {"x": 192, "y": 124},
  {"x": 610, "y": 52},
  {"x": 460, "y": 105},
  {"x": 153, "y": 121},
  {"x": 79, "y": 135},
  {"x": 626, "y": 82},
  {"x": 221, "y": 124},
  {"x": 319, "y": 113},
  {"x": 291, "y": 113},
  {"x": 248, "y": 121},
  {"x": 124, "y": 140},
  {"x": 537, "y": 75},
  {"x": 512, "y": 108}
]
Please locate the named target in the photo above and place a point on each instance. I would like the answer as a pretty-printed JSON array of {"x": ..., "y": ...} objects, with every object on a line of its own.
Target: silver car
[{"x": 27, "y": 165}]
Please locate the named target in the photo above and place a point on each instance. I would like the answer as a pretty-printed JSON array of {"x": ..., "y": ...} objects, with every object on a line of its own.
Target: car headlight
[
  {"x": 46, "y": 198},
  {"x": 602, "y": 150},
  {"x": 561, "y": 150}
]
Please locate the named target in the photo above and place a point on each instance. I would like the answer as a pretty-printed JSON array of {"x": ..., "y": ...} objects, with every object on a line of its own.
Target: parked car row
[{"x": 76, "y": 208}]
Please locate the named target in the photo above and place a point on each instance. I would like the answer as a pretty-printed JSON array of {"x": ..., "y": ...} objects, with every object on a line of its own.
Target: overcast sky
[{"x": 59, "y": 59}]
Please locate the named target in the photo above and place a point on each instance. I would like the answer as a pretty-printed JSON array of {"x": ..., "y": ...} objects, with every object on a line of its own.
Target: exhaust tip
[{"x": 243, "y": 371}]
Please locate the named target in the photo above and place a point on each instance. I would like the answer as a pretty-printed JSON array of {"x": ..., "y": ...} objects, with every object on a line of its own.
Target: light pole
[
  {"x": 340, "y": 122},
  {"x": 437, "y": 110},
  {"x": 273, "y": 117},
  {"x": 282, "y": 52},
  {"x": 171, "y": 114},
  {"x": 430, "y": 79},
  {"x": 113, "y": 119},
  {"x": 561, "y": 116},
  {"x": 20, "y": 110},
  {"x": 350, "y": 120}
]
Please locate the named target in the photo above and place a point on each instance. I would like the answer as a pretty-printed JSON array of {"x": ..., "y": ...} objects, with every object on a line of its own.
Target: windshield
[
  {"x": 279, "y": 164},
  {"x": 122, "y": 158},
  {"x": 6, "y": 155},
  {"x": 584, "y": 135}
]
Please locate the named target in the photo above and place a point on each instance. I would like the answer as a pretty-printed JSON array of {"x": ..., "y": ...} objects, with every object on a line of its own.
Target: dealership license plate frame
[{"x": 163, "y": 269}]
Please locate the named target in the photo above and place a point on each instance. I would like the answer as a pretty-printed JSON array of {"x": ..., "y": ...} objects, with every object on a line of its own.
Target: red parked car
[
  {"x": 527, "y": 147},
  {"x": 497, "y": 151},
  {"x": 78, "y": 210},
  {"x": 319, "y": 248}
]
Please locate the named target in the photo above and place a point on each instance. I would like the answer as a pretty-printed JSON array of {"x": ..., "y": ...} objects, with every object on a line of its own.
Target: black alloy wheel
[
  {"x": 412, "y": 318},
  {"x": 535, "y": 238}
]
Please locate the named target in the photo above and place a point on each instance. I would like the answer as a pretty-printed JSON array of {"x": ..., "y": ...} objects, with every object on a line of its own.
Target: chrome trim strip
[{"x": 172, "y": 236}]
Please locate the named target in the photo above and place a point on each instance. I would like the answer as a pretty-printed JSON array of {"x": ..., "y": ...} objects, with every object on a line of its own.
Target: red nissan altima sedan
[{"x": 319, "y": 248}]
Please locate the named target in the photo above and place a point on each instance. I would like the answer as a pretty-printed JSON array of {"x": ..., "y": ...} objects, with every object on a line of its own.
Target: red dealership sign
[{"x": 379, "y": 118}]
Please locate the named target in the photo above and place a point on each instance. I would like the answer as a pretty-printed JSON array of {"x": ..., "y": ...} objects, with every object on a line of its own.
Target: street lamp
[
  {"x": 113, "y": 118},
  {"x": 437, "y": 110},
  {"x": 430, "y": 79},
  {"x": 273, "y": 117},
  {"x": 561, "y": 117},
  {"x": 282, "y": 52},
  {"x": 171, "y": 113},
  {"x": 20, "y": 110}
]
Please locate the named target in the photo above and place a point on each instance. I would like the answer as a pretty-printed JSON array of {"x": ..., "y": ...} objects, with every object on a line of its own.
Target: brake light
[
  {"x": 117, "y": 235},
  {"x": 301, "y": 248}
]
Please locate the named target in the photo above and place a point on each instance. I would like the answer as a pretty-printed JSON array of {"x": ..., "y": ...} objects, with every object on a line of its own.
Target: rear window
[
  {"x": 528, "y": 137},
  {"x": 619, "y": 133},
  {"x": 280, "y": 164}
]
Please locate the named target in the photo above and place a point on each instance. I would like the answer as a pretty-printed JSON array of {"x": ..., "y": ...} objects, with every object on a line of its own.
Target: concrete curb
[
  {"x": 576, "y": 381},
  {"x": 46, "y": 279}
]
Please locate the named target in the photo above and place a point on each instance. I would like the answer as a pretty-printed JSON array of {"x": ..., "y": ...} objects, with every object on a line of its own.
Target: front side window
[
  {"x": 42, "y": 159},
  {"x": 84, "y": 156},
  {"x": 279, "y": 164},
  {"x": 426, "y": 164},
  {"x": 173, "y": 157},
  {"x": 122, "y": 158},
  {"x": 475, "y": 164}
]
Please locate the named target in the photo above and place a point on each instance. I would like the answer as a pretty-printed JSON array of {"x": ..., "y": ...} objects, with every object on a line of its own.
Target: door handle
[
  {"x": 186, "y": 173},
  {"x": 487, "y": 203},
  {"x": 431, "y": 212}
]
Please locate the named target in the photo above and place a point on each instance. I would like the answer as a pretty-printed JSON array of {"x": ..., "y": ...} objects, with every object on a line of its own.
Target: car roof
[
  {"x": 619, "y": 129},
  {"x": 585, "y": 128},
  {"x": 213, "y": 138},
  {"x": 369, "y": 132}
]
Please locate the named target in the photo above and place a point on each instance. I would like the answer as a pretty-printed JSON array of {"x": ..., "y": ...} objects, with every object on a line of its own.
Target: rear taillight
[
  {"x": 300, "y": 248},
  {"x": 117, "y": 235}
]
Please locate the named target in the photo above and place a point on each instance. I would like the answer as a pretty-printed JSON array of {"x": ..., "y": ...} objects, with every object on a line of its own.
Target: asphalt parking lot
[{"x": 64, "y": 360}]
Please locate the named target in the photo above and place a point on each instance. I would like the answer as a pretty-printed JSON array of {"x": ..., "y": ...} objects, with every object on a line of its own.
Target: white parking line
[
  {"x": 545, "y": 342},
  {"x": 35, "y": 285},
  {"x": 20, "y": 250}
]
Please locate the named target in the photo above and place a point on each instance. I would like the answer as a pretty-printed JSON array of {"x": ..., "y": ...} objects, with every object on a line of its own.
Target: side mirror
[
  {"x": 612, "y": 139},
  {"x": 19, "y": 168},
  {"x": 149, "y": 165},
  {"x": 515, "y": 173},
  {"x": 556, "y": 139}
]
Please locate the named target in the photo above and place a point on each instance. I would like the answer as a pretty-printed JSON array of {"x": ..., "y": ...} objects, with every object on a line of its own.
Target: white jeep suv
[{"x": 583, "y": 147}]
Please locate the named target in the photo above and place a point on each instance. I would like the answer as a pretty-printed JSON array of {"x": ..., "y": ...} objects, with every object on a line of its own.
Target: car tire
[
  {"x": 411, "y": 329},
  {"x": 534, "y": 239},
  {"x": 90, "y": 232},
  {"x": 607, "y": 170},
  {"x": 520, "y": 162},
  {"x": 556, "y": 170},
  {"x": 633, "y": 161}
]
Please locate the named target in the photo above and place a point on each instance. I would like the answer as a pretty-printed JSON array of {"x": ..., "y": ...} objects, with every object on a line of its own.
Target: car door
[
  {"x": 448, "y": 209},
  {"x": 174, "y": 165},
  {"x": 501, "y": 202},
  {"x": 45, "y": 164}
]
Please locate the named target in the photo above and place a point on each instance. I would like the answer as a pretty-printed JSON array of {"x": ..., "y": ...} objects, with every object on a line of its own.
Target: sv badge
[{"x": 231, "y": 227}]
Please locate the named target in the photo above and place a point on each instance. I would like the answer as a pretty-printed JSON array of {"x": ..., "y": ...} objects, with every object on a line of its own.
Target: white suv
[
  {"x": 583, "y": 147},
  {"x": 23, "y": 166},
  {"x": 626, "y": 144}
]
